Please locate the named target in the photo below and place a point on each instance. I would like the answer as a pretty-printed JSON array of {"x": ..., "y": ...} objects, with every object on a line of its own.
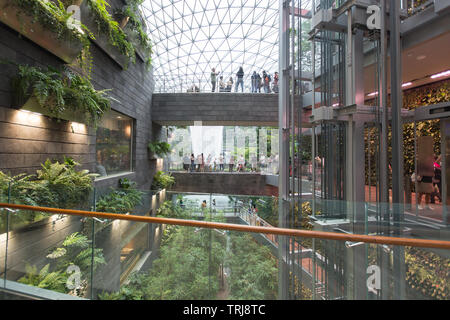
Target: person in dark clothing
[
  {"x": 266, "y": 81},
  {"x": 259, "y": 82},
  {"x": 275, "y": 82},
  {"x": 213, "y": 79},
  {"x": 239, "y": 79},
  {"x": 254, "y": 82},
  {"x": 437, "y": 184}
]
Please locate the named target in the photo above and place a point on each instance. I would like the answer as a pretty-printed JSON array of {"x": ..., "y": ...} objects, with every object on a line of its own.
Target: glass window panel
[{"x": 114, "y": 144}]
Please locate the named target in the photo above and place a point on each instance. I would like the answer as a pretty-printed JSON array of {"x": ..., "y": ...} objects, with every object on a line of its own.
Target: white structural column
[{"x": 283, "y": 116}]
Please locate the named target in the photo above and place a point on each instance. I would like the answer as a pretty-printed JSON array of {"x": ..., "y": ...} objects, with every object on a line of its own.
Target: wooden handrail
[{"x": 425, "y": 243}]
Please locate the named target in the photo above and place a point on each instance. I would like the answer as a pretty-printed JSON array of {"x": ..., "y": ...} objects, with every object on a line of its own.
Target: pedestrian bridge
[{"x": 219, "y": 109}]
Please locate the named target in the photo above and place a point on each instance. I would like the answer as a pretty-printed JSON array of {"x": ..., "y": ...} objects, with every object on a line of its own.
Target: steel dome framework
[{"x": 191, "y": 37}]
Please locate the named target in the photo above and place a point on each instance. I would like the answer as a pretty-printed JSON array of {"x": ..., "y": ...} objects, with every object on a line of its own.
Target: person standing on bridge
[
  {"x": 213, "y": 79},
  {"x": 231, "y": 163},
  {"x": 254, "y": 82},
  {"x": 192, "y": 162},
  {"x": 259, "y": 81},
  {"x": 239, "y": 79},
  {"x": 221, "y": 163},
  {"x": 202, "y": 163},
  {"x": 186, "y": 162},
  {"x": 275, "y": 82}
]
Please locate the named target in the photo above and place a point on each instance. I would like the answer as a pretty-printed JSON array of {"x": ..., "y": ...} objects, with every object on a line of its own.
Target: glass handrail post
[{"x": 93, "y": 244}]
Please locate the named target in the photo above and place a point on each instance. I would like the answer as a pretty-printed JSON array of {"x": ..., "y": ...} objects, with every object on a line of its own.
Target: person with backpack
[
  {"x": 266, "y": 82},
  {"x": 239, "y": 80}
]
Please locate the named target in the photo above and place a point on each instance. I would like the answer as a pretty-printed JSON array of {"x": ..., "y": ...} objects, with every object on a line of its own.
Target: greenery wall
[{"x": 412, "y": 99}]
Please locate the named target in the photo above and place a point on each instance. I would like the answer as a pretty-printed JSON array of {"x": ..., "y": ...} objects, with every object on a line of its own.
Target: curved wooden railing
[{"x": 426, "y": 243}]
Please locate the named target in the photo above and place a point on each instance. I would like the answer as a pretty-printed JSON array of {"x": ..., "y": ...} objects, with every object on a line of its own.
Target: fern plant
[
  {"x": 136, "y": 27},
  {"x": 57, "y": 92},
  {"x": 44, "y": 278},
  {"x": 120, "y": 201},
  {"x": 162, "y": 180},
  {"x": 107, "y": 26},
  {"x": 159, "y": 148}
]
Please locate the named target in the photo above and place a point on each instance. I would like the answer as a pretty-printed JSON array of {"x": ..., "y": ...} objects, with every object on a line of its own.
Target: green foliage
[
  {"x": 162, "y": 180},
  {"x": 254, "y": 272},
  {"x": 44, "y": 279},
  {"x": 412, "y": 99},
  {"x": 107, "y": 26},
  {"x": 168, "y": 210},
  {"x": 159, "y": 148},
  {"x": 76, "y": 250},
  {"x": 51, "y": 16},
  {"x": 185, "y": 270},
  {"x": 120, "y": 201},
  {"x": 60, "y": 91},
  {"x": 54, "y": 17},
  {"x": 136, "y": 26},
  {"x": 68, "y": 186},
  {"x": 57, "y": 185}
]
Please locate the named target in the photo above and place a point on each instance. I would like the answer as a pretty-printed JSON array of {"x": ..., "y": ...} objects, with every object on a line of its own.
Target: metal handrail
[{"x": 425, "y": 243}]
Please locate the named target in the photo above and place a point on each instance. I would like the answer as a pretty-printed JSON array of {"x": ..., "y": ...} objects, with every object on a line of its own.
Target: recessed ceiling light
[
  {"x": 406, "y": 84},
  {"x": 421, "y": 57},
  {"x": 441, "y": 74}
]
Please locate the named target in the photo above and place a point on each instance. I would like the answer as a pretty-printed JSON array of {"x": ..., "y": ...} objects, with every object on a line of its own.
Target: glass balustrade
[{"x": 57, "y": 256}]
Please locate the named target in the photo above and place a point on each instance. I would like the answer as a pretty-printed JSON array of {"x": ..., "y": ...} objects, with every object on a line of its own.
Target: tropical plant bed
[
  {"x": 88, "y": 18},
  {"x": 59, "y": 94},
  {"x": 66, "y": 44}
]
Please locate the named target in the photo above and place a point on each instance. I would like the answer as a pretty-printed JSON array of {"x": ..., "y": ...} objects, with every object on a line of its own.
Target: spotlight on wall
[
  {"x": 441, "y": 74},
  {"x": 78, "y": 127},
  {"x": 27, "y": 117},
  {"x": 406, "y": 84}
]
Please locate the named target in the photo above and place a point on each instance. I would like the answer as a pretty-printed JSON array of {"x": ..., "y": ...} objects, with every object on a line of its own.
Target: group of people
[
  {"x": 257, "y": 82},
  {"x": 199, "y": 163}
]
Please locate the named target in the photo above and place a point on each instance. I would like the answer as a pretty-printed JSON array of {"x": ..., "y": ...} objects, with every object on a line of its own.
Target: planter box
[
  {"x": 67, "y": 50},
  {"x": 87, "y": 18},
  {"x": 133, "y": 37},
  {"x": 69, "y": 115}
]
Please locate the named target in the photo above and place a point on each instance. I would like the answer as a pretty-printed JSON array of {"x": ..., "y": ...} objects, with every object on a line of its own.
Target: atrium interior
[{"x": 224, "y": 150}]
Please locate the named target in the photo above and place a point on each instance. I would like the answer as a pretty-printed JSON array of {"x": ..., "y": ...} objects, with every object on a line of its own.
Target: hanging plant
[
  {"x": 135, "y": 29},
  {"x": 60, "y": 92},
  {"x": 110, "y": 28}
]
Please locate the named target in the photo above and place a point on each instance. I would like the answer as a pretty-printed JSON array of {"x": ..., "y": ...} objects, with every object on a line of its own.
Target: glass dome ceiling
[{"x": 191, "y": 37}]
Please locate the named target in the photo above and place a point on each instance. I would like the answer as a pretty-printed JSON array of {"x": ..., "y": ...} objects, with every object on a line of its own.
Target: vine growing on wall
[
  {"x": 137, "y": 27},
  {"x": 107, "y": 26}
]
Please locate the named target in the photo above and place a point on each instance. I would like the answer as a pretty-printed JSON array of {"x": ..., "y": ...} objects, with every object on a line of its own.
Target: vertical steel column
[
  {"x": 283, "y": 116},
  {"x": 444, "y": 185},
  {"x": 397, "y": 146}
]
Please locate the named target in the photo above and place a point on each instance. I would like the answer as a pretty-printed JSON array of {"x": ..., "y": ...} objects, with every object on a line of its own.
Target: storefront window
[{"x": 114, "y": 144}]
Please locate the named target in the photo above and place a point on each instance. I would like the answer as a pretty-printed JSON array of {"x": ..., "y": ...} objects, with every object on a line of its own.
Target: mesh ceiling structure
[{"x": 192, "y": 37}]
